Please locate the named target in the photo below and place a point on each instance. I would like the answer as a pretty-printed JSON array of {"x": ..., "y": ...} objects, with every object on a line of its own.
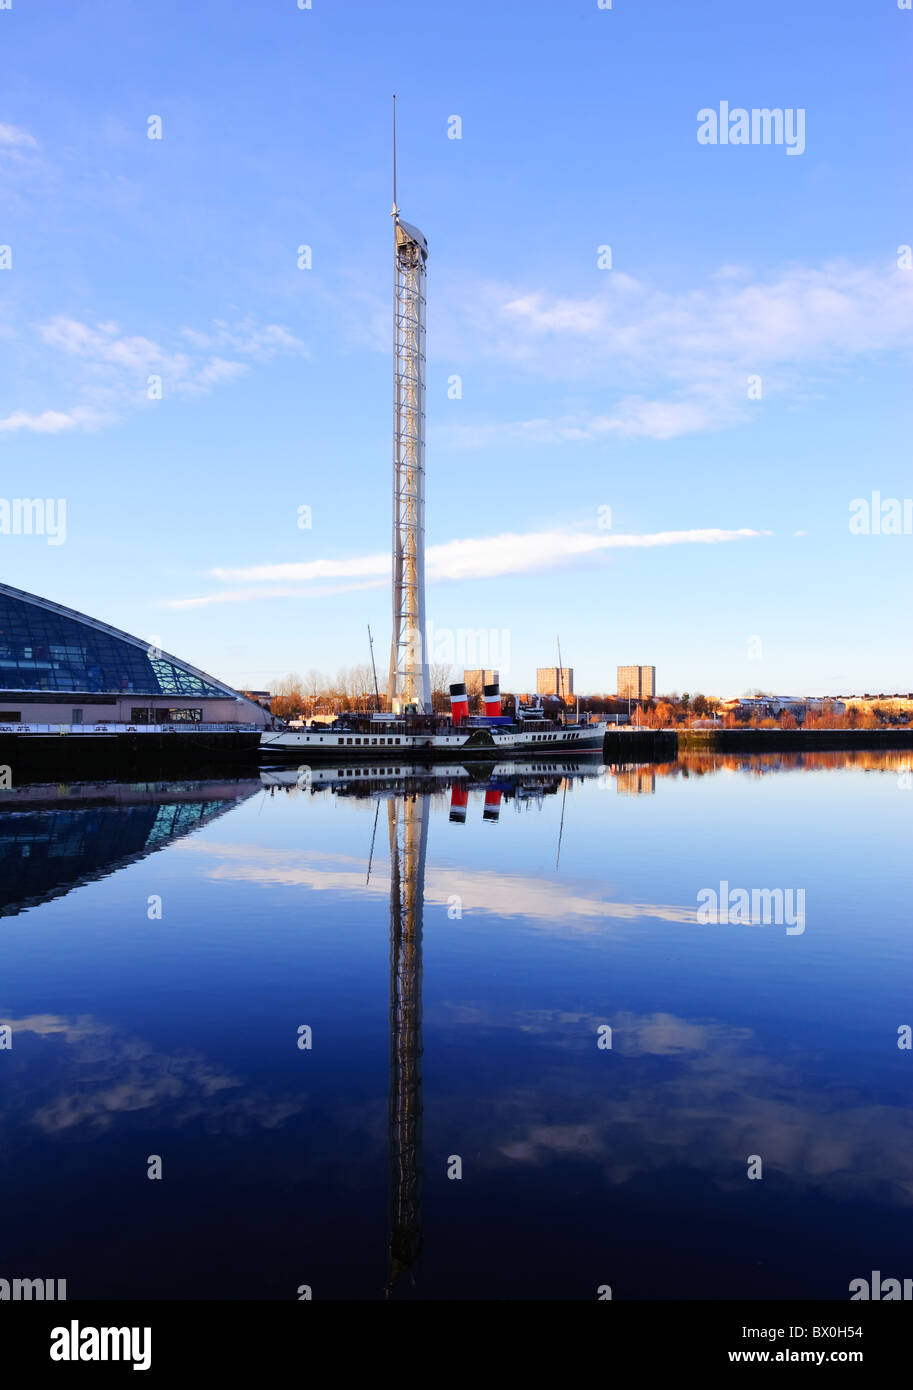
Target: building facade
[
  {"x": 475, "y": 680},
  {"x": 772, "y": 706},
  {"x": 58, "y": 666},
  {"x": 555, "y": 680},
  {"x": 636, "y": 682}
]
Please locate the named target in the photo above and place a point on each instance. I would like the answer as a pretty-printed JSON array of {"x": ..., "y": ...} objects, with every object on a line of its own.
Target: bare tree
[
  {"x": 440, "y": 672},
  {"x": 361, "y": 684},
  {"x": 313, "y": 685},
  {"x": 288, "y": 698}
]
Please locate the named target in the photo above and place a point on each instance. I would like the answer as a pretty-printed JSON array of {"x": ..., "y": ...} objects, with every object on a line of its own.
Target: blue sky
[{"x": 583, "y": 388}]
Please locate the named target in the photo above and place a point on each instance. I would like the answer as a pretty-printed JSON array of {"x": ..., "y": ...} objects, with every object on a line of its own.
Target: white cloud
[
  {"x": 510, "y": 553},
  {"x": 217, "y": 370},
  {"x": 247, "y": 340},
  {"x": 116, "y": 366},
  {"x": 245, "y": 595},
  {"x": 678, "y": 361},
  {"x": 478, "y": 558},
  {"x": 52, "y": 421},
  {"x": 802, "y": 314},
  {"x": 15, "y": 137},
  {"x": 357, "y": 566},
  {"x": 634, "y": 417},
  {"x": 103, "y": 344}
]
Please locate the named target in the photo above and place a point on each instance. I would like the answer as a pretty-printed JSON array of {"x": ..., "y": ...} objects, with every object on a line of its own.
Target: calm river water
[{"x": 470, "y": 1035}]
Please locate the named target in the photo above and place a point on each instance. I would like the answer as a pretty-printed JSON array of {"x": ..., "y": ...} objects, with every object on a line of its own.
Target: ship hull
[{"x": 311, "y": 745}]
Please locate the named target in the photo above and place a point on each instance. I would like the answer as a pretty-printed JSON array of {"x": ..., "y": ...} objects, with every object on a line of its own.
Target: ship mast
[{"x": 409, "y": 683}]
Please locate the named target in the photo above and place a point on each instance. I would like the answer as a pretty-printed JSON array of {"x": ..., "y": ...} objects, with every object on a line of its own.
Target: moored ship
[{"x": 429, "y": 736}]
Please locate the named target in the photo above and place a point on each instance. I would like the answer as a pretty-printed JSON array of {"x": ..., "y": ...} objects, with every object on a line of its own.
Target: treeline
[
  {"x": 669, "y": 712},
  {"x": 352, "y": 688}
]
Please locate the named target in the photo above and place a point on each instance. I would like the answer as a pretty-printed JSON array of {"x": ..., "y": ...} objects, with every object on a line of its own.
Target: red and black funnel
[
  {"x": 492, "y": 695},
  {"x": 459, "y": 702}
]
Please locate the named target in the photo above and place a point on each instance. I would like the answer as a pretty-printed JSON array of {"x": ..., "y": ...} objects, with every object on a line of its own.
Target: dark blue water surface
[{"x": 455, "y": 975}]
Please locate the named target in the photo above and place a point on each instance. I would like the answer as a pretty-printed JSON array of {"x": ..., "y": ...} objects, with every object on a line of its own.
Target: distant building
[
  {"x": 772, "y": 706},
  {"x": 637, "y": 682},
  {"x": 260, "y": 697},
  {"x": 476, "y": 679},
  {"x": 555, "y": 680},
  {"x": 893, "y": 704}
]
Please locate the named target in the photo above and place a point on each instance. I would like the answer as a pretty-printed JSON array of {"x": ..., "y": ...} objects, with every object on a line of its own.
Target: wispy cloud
[
  {"x": 21, "y": 161},
  {"x": 803, "y": 315},
  {"x": 633, "y": 418},
  {"x": 356, "y": 566},
  {"x": 14, "y": 137},
  {"x": 246, "y": 339},
  {"x": 679, "y": 361},
  {"x": 510, "y": 553},
  {"x": 51, "y": 421},
  {"x": 246, "y": 595},
  {"x": 116, "y": 367},
  {"x": 104, "y": 345},
  {"x": 476, "y": 558}
]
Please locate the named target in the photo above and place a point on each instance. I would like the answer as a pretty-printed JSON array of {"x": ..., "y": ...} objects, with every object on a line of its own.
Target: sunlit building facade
[
  {"x": 555, "y": 680},
  {"x": 636, "y": 682},
  {"x": 476, "y": 680}
]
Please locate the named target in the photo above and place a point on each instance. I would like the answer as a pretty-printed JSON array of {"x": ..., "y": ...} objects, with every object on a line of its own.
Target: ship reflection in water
[{"x": 532, "y": 905}]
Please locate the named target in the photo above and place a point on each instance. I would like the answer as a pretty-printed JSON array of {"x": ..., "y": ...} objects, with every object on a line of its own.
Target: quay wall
[
  {"x": 64, "y": 757},
  {"x": 640, "y": 745},
  {"x": 789, "y": 740}
]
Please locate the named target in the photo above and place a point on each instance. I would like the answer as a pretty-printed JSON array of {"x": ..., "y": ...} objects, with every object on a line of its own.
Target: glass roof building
[{"x": 55, "y": 662}]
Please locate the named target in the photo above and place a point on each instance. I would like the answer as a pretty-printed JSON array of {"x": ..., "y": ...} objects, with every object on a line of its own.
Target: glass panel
[{"x": 43, "y": 650}]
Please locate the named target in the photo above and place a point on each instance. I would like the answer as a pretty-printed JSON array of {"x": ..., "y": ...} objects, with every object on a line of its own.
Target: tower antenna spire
[{"x": 395, "y": 208}]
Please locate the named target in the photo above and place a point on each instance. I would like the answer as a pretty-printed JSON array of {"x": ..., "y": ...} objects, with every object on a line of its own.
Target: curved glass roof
[{"x": 44, "y": 646}]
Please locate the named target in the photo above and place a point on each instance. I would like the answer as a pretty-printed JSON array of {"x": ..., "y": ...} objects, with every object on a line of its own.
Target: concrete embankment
[
  {"x": 64, "y": 756},
  {"x": 640, "y": 745},
  {"x": 789, "y": 740}
]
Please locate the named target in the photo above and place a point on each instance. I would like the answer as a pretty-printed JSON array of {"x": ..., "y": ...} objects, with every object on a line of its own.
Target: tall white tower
[{"x": 409, "y": 684}]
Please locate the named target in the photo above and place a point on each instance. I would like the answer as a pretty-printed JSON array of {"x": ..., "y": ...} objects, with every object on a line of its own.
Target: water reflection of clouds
[
  {"x": 673, "y": 1093},
  {"x": 680, "y": 1093},
  {"x": 659, "y": 1035},
  {"x": 103, "y": 1076},
  {"x": 480, "y": 890}
]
